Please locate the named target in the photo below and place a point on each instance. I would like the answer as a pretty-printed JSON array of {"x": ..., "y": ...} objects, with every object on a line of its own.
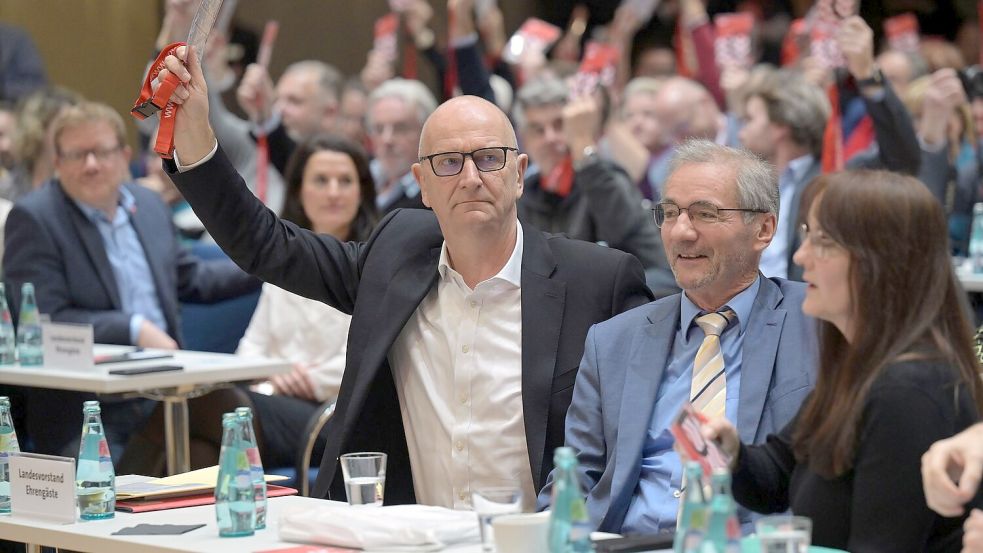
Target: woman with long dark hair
[
  {"x": 330, "y": 191},
  {"x": 897, "y": 372}
]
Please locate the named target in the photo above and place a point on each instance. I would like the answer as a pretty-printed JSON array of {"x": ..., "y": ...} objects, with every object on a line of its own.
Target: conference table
[
  {"x": 971, "y": 282},
  {"x": 201, "y": 373},
  {"x": 96, "y": 535}
]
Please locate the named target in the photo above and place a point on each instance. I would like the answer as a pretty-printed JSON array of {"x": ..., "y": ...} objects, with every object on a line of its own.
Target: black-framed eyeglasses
[
  {"x": 448, "y": 164},
  {"x": 699, "y": 212},
  {"x": 822, "y": 245}
]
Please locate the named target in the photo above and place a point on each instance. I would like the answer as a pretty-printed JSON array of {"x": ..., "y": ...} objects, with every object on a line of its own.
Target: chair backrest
[{"x": 216, "y": 327}]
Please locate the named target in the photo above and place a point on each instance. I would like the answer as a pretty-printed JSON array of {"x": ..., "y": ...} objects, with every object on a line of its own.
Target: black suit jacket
[
  {"x": 50, "y": 242},
  {"x": 567, "y": 286}
]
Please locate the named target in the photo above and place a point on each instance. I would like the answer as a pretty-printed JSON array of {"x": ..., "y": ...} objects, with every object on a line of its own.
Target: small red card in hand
[
  {"x": 902, "y": 33},
  {"x": 385, "y": 32},
  {"x": 733, "y": 43},
  {"x": 535, "y": 36},
  {"x": 686, "y": 430}
]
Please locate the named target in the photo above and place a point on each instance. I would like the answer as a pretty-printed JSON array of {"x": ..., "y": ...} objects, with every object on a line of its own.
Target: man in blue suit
[
  {"x": 718, "y": 214},
  {"x": 103, "y": 251}
]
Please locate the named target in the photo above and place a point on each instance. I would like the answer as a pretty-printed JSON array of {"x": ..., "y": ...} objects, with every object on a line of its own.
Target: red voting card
[
  {"x": 208, "y": 498},
  {"x": 597, "y": 68},
  {"x": 733, "y": 44},
  {"x": 270, "y": 31},
  {"x": 308, "y": 549},
  {"x": 686, "y": 430},
  {"x": 386, "y": 29},
  {"x": 902, "y": 32},
  {"x": 534, "y": 37}
]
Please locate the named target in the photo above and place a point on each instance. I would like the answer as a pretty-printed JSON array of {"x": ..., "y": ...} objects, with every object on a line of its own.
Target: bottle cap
[{"x": 562, "y": 453}]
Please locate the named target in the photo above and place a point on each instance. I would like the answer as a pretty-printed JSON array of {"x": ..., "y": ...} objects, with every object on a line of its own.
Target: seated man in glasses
[
  {"x": 733, "y": 344},
  {"x": 102, "y": 250},
  {"x": 467, "y": 327}
]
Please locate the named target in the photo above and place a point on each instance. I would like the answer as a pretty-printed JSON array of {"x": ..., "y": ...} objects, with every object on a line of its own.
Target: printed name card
[
  {"x": 67, "y": 346},
  {"x": 43, "y": 487}
]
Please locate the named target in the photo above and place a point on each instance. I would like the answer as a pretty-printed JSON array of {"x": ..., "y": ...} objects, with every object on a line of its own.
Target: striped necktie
[{"x": 708, "y": 392}]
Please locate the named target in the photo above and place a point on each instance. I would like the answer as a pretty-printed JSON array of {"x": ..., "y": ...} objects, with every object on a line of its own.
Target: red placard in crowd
[
  {"x": 534, "y": 36},
  {"x": 732, "y": 47},
  {"x": 386, "y": 32},
  {"x": 902, "y": 33},
  {"x": 596, "y": 69}
]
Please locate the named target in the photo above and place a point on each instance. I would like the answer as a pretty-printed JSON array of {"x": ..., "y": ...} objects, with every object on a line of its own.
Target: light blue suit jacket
[{"x": 622, "y": 368}]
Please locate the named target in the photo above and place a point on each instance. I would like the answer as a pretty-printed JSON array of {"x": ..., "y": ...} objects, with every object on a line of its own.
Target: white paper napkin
[{"x": 393, "y": 528}]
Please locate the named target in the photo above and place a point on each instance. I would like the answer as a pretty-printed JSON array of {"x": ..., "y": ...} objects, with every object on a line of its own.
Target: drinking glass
[
  {"x": 491, "y": 502},
  {"x": 365, "y": 477},
  {"x": 784, "y": 534}
]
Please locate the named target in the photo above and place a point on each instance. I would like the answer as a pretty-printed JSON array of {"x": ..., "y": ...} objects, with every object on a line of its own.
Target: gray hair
[
  {"x": 757, "y": 181},
  {"x": 797, "y": 104},
  {"x": 329, "y": 79},
  {"x": 413, "y": 93},
  {"x": 546, "y": 90}
]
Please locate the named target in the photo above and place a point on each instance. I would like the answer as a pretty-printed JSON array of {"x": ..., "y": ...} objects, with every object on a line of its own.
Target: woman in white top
[{"x": 330, "y": 191}]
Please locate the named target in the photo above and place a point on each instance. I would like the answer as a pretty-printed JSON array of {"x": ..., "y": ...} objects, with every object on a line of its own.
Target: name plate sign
[
  {"x": 42, "y": 487},
  {"x": 68, "y": 346}
]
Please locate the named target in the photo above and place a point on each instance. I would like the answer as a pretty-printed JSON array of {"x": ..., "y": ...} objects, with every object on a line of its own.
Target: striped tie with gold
[{"x": 708, "y": 392}]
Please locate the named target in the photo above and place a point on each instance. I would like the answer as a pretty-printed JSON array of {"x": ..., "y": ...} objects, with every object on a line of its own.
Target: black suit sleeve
[
  {"x": 30, "y": 255},
  {"x": 617, "y": 215},
  {"x": 311, "y": 265},
  {"x": 896, "y": 139},
  {"x": 763, "y": 472},
  {"x": 936, "y": 172},
  {"x": 208, "y": 281},
  {"x": 472, "y": 74},
  {"x": 630, "y": 289}
]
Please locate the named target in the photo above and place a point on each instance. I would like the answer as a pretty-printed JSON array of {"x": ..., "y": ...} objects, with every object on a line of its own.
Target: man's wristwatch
[{"x": 875, "y": 79}]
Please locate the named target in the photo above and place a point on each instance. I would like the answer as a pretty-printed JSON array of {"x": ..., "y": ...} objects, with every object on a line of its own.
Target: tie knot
[{"x": 713, "y": 324}]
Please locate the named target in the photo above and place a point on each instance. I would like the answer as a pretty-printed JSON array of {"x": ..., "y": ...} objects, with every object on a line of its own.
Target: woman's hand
[
  {"x": 973, "y": 533},
  {"x": 951, "y": 471},
  {"x": 721, "y": 431},
  {"x": 296, "y": 383}
]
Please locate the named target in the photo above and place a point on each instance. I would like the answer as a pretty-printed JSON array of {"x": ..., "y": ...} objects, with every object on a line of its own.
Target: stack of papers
[
  {"x": 130, "y": 487},
  {"x": 138, "y": 494}
]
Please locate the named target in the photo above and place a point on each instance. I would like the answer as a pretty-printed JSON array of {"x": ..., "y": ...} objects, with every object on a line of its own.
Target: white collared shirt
[
  {"x": 774, "y": 260},
  {"x": 458, "y": 370}
]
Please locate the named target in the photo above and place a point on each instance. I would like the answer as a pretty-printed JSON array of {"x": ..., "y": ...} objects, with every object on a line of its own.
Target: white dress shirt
[
  {"x": 774, "y": 260},
  {"x": 458, "y": 370},
  {"x": 300, "y": 330}
]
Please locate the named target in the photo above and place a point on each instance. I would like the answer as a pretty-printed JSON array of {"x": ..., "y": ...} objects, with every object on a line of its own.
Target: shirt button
[
  {"x": 463, "y": 496},
  {"x": 465, "y": 349},
  {"x": 460, "y": 447},
  {"x": 474, "y": 303},
  {"x": 676, "y": 493},
  {"x": 464, "y": 400}
]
